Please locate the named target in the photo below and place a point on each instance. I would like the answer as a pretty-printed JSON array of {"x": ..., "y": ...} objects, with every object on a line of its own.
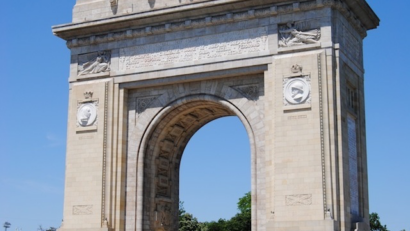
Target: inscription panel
[{"x": 194, "y": 50}]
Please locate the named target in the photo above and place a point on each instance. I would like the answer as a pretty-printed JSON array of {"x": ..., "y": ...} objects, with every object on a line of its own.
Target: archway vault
[
  {"x": 171, "y": 125},
  {"x": 163, "y": 157}
]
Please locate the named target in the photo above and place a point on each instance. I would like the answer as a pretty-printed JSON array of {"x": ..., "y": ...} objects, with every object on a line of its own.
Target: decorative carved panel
[
  {"x": 87, "y": 111},
  {"x": 94, "y": 63},
  {"x": 299, "y": 33},
  {"x": 296, "y": 90},
  {"x": 299, "y": 199},
  {"x": 82, "y": 209}
]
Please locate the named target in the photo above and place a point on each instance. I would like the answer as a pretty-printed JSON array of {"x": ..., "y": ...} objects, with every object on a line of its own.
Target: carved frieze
[
  {"x": 94, "y": 63},
  {"x": 293, "y": 34},
  {"x": 196, "y": 49},
  {"x": 299, "y": 199},
  {"x": 296, "y": 90}
]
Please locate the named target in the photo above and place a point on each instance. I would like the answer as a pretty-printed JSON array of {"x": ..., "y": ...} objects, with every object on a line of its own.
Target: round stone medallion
[
  {"x": 297, "y": 91},
  {"x": 86, "y": 114}
]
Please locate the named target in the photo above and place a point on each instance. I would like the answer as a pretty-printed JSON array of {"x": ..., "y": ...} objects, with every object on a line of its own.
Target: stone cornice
[{"x": 78, "y": 35}]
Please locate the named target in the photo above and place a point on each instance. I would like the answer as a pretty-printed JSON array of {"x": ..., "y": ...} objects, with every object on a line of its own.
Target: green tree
[
  {"x": 375, "y": 224},
  {"x": 187, "y": 222},
  {"x": 181, "y": 209},
  {"x": 245, "y": 203},
  {"x": 240, "y": 222},
  {"x": 220, "y": 225}
]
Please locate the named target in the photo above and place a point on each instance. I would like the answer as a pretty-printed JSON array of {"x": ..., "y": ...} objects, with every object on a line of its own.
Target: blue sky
[{"x": 34, "y": 96}]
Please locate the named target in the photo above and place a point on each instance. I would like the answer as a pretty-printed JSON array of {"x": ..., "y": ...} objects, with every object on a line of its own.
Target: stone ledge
[
  {"x": 86, "y": 129},
  {"x": 298, "y": 48},
  {"x": 253, "y": 65},
  {"x": 293, "y": 108},
  {"x": 94, "y": 76}
]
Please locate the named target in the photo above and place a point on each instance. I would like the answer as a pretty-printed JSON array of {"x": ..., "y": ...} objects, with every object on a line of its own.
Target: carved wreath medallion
[{"x": 296, "y": 90}]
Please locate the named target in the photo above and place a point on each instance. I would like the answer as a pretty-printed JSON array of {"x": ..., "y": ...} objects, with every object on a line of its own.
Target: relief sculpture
[
  {"x": 291, "y": 35},
  {"x": 94, "y": 63},
  {"x": 82, "y": 209},
  {"x": 87, "y": 111},
  {"x": 296, "y": 90},
  {"x": 298, "y": 200}
]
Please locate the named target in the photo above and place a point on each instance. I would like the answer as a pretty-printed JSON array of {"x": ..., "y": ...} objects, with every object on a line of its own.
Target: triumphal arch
[{"x": 145, "y": 75}]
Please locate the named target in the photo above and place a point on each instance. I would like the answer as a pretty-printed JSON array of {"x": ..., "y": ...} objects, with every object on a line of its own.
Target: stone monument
[{"x": 145, "y": 75}]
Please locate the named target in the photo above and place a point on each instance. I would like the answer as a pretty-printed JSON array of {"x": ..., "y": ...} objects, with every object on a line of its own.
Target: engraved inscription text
[{"x": 194, "y": 49}]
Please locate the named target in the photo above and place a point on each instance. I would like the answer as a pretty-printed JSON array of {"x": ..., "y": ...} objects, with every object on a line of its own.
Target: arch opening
[
  {"x": 162, "y": 158},
  {"x": 215, "y": 170}
]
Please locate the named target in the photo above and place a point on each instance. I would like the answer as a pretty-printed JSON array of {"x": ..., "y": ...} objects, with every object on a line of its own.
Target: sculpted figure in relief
[
  {"x": 296, "y": 90},
  {"x": 86, "y": 114},
  {"x": 100, "y": 64},
  {"x": 290, "y": 36}
]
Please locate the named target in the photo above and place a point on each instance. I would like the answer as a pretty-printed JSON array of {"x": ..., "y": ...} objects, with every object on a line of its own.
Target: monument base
[
  {"x": 85, "y": 229},
  {"x": 322, "y": 225}
]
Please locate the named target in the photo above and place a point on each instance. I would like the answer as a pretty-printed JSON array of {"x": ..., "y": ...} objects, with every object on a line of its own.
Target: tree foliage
[
  {"x": 245, "y": 203},
  {"x": 187, "y": 222},
  {"x": 240, "y": 222},
  {"x": 375, "y": 224}
]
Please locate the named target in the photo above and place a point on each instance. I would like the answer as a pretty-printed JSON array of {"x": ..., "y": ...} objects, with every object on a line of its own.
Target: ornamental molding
[{"x": 221, "y": 19}]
